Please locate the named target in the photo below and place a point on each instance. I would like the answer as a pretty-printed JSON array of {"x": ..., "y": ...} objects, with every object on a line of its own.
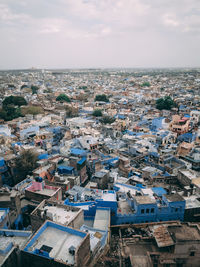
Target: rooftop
[
  {"x": 189, "y": 173},
  {"x": 40, "y": 188},
  {"x": 56, "y": 240},
  {"x": 60, "y": 214},
  {"x": 191, "y": 202},
  {"x": 9, "y": 239},
  {"x": 102, "y": 219},
  {"x": 185, "y": 232},
  {"x": 162, "y": 236},
  {"x": 174, "y": 197},
  {"x": 144, "y": 200}
]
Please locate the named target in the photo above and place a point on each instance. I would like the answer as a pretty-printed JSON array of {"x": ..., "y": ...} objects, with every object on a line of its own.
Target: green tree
[
  {"x": 24, "y": 86},
  {"x": 9, "y": 113},
  {"x": 11, "y": 86},
  {"x": 25, "y": 164},
  {"x": 14, "y": 100},
  {"x": 34, "y": 89},
  {"x": 145, "y": 84},
  {"x": 165, "y": 103},
  {"x": 102, "y": 97},
  {"x": 97, "y": 113},
  {"x": 3, "y": 114},
  {"x": 63, "y": 98},
  {"x": 20, "y": 101},
  {"x": 9, "y": 110},
  {"x": 107, "y": 120}
]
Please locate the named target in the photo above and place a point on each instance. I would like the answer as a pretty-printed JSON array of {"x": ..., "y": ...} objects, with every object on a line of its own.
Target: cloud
[
  {"x": 170, "y": 20},
  {"x": 99, "y": 32},
  {"x": 7, "y": 16}
]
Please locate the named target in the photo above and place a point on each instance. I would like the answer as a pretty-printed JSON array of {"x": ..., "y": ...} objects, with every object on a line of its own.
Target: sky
[{"x": 99, "y": 33}]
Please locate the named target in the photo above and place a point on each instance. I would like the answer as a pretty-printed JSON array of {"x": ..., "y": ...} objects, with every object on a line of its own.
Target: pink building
[
  {"x": 39, "y": 191},
  {"x": 179, "y": 125}
]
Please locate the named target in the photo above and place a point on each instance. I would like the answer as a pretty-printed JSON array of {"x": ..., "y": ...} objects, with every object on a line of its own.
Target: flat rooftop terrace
[
  {"x": 144, "y": 200},
  {"x": 45, "y": 191},
  {"x": 102, "y": 219},
  {"x": 61, "y": 215},
  {"x": 124, "y": 207},
  {"x": 191, "y": 202},
  {"x": 185, "y": 232},
  {"x": 9, "y": 239},
  {"x": 58, "y": 239}
]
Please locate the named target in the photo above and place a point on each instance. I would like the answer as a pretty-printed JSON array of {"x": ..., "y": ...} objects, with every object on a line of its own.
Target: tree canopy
[
  {"x": 102, "y": 97},
  {"x": 165, "y": 103},
  {"x": 14, "y": 100},
  {"x": 24, "y": 86},
  {"x": 107, "y": 120},
  {"x": 145, "y": 84},
  {"x": 63, "y": 98},
  {"x": 9, "y": 110},
  {"x": 34, "y": 89},
  {"x": 97, "y": 113}
]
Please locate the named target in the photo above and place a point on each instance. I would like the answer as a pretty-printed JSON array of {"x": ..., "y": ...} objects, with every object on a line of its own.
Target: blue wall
[
  {"x": 93, "y": 205},
  {"x": 163, "y": 210},
  {"x": 42, "y": 229}
]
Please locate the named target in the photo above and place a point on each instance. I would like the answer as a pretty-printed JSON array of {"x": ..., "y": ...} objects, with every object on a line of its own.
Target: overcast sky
[{"x": 99, "y": 33}]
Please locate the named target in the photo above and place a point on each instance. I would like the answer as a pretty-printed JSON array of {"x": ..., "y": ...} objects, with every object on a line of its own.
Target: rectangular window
[
  {"x": 152, "y": 210},
  {"x": 192, "y": 253},
  {"x": 147, "y": 210},
  {"x": 142, "y": 211},
  {"x": 176, "y": 209}
]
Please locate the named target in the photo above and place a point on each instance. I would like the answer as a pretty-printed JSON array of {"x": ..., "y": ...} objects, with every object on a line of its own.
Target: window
[
  {"x": 152, "y": 210},
  {"x": 142, "y": 211},
  {"x": 192, "y": 253},
  {"x": 176, "y": 209},
  {"x": 147, "y": 210}
]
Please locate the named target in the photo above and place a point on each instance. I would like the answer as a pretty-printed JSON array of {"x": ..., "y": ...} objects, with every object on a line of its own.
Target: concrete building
[
  {"x": 38, "y": 191},
  {"x": 58, "y": 213},
  {"x": 169, "y": 244},
  {"x": 179, "y": 125},
  {"x": 101, "y": 178},
  {"x": 11, "y": 241},
  {"x": 58, "y": 245},
  {"x": 147, "y": 205}
]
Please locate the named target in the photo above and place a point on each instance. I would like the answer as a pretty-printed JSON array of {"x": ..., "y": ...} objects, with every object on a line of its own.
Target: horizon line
[{"x": 99, "y": 68}]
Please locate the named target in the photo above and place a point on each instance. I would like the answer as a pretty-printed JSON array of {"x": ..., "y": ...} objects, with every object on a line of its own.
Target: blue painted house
[
  {"x": 99, "y": 199},
  {"x": 155, "y": 206},
  {"x": 57, "y": 243}
]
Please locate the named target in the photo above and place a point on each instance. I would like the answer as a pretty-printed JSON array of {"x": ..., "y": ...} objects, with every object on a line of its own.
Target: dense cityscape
[{"x": 100, "y": 167}]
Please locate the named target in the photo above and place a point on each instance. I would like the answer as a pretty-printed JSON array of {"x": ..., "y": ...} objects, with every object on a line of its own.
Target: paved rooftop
[
  {"x": 144, "y": 200},
  {"x": 185, "y": 232},
  {"x": 60, "y": 242},
  {"x": 59, "y": 214}
]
